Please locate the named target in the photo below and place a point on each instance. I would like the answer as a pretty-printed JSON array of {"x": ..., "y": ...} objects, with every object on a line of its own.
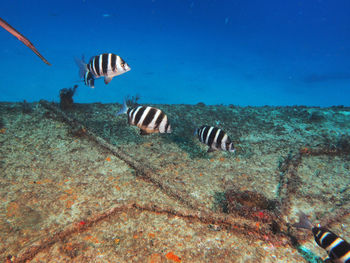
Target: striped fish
[
  {"x": 106, "y": 65},
  {"x": 215, "y": 138},
  {"x": 148, "y": 119},
  {"x": 89, "y": 79},
  {"x": 337, "y": 248}
]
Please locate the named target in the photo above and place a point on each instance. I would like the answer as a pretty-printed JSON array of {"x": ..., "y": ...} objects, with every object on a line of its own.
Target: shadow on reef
[
  {"x": 183, "y": 136},
  {"x": 185, "y": 119}
]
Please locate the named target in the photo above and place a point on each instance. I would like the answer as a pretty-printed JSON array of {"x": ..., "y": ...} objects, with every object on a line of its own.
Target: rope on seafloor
[
  {"x": 192, "y": 216},
  {"x": 230, "y": 222},
  {"x": 290, "y": 181},
  {"x": 195, "y": 213},
  {"x": 142, "y": 170}
]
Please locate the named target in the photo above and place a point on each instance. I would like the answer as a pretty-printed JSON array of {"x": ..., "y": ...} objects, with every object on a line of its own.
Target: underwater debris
[
  {"x": 66, "y": 97},
  {"x": 26, "y": 107}
]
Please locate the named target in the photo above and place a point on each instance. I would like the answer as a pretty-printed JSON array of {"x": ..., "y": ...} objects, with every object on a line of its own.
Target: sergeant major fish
[
  {"x": 148, "y": 119},
  {"x": 89, "y": 79},
  {"x": 106, "y": 65},
  {"x": 215, "y": 138},
  {"x": 337, "y": 248}
]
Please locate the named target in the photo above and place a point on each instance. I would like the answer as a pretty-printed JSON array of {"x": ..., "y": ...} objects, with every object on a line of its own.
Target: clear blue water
[{"x": 244, "y": 52}]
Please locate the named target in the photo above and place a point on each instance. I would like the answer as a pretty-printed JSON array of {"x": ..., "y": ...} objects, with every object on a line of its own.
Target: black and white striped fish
[
  {"x": 337, "y": 248},
  {"x": 106, "y": 65},
  {"x": 215, "y": 138},
  {"x": 148, "y": 119},
  {"x": 89, "y": 79}
]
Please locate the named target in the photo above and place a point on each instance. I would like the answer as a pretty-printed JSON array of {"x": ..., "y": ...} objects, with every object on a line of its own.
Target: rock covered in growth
[
  {"x": 66, "y": 97},
  {"x": 250, "y": 204},
  {"x": 26, "y": 107}
]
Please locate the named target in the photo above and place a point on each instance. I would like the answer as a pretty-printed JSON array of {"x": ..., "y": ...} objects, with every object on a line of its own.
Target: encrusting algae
[{"x": 184, "y": 205}]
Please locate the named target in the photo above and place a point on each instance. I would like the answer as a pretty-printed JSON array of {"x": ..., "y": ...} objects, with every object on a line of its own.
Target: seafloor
[{"x": 81, "y": 185}]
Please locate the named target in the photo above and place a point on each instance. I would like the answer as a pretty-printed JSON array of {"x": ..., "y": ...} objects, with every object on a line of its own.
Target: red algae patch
[{"x": 171, "y": 256}]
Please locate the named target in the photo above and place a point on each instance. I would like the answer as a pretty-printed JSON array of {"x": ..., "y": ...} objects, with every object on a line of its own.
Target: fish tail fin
[
  {"x": 304, "y": 222},
  {"x": 195, "y": 132},
  {"x": 82, "y": 66},
  {"x": 89, "y": 79},
  {"x": 124, "y": 109},
  {"x": 231, "y": 147}
]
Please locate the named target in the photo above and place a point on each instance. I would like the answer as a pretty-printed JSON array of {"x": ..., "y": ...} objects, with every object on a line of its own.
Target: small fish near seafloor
[
  {"x": 215, "y": 138},
  {"x": 148, "y": 119},
  {"x": 107, "y": 65},
  {"x": 337, "y": 248}
]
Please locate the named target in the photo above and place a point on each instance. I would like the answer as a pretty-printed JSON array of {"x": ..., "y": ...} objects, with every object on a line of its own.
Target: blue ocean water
[{"x": 242, "y": 52}]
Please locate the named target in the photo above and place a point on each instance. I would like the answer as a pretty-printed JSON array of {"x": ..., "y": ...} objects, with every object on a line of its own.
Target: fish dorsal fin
[{"x": 108, "y": 79}]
